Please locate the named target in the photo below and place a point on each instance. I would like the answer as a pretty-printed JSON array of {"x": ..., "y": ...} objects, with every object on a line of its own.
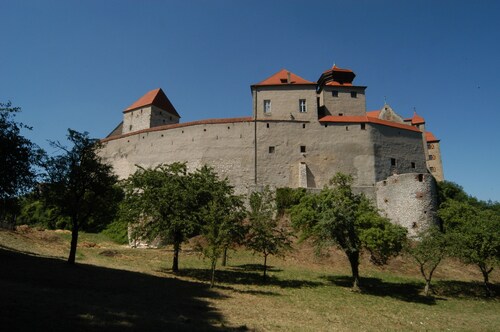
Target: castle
[{"x": 300, "y": 134}]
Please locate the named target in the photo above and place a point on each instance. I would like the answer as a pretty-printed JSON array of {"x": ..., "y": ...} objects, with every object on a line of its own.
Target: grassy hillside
[{"x": 118, "y": 288}]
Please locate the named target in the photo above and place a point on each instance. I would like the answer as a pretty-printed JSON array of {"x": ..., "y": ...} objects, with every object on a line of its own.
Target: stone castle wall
[{"x": 408, "y": 200}]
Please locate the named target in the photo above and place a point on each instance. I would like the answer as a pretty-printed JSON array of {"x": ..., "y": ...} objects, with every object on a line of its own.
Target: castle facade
[{"x": 300, "y": 134}]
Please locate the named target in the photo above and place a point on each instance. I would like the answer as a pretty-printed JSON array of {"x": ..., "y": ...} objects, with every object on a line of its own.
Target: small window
[
  {"x": 267, "y": 106},
  {"x": 302, "y": 149},
  {"x": 271, "y": 149},
  {"x": 363, "y": 126},
  {"x": 393, "y": 161},
  {"x": 420, "y": 178},
  {"x": 354, "y": 94},
  {"x": 267, "y": 125},
  {"x": 335, "y": 93},
  {"x": 302, "y": 106},
  {"x": 341, "y": 114},
  {"x": 283, "y": 80},
  {"x": 326, "y": 125},
  {"x": 130, "y": 127},
  {"x": 433, "y": 169},
  {"x": 430, "y": 146},
  {"x": 412, "y": 165},
  {"x": 432, "y": 157},
  {"x": 303, "y": 126}
]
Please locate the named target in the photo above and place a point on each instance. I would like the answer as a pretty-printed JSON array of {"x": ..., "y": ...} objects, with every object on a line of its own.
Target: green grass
[{"x": 118, "y": 288}]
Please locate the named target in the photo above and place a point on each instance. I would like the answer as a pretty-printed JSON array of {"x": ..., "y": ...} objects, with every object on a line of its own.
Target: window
[
  {"x": 354, "y": 94},
  {"x": 363, "y": 126},
  {"x": 430, "y": 146},
  {"x": 303, "y": 126},
  {"x": 393, "y": 161},
  {"x": 267, "y": 106},
  {"x": 267, "y": 125},
  {"x": 433, "y": 169},
  {"x": 302, "y": 149},
  {"x": 432, "y": 157},
  {"x": 341, "y": 114},
  {"x": 271, "y": 149},
  {"x": 335, "y": 93},
  {"x": 413, "y": 165},
  {"x": 130, "y": 127},
  {"x": 302, "y": 106}
]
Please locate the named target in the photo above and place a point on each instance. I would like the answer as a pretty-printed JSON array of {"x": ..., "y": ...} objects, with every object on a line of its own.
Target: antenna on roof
[
  {"x": 385, "y": 100},
  {"x": 333, "y": 64},
  {"x": 414, "y": 109}
]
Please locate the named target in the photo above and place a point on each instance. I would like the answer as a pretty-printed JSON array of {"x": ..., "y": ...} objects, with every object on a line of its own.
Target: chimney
[{"x": 288, "y": 77}]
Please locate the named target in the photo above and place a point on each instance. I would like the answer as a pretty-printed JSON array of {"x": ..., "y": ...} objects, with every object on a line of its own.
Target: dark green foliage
[
  {"x": 286, "y": 198},
  {"x": 80, "y": 186},
  {"x": 474, "y": 235},
  {"x": 337, "y": 216},
  {"x": 265, "y": 235},
  {"x": 117, "y": 231},
  {"x": 428, "y": 249},
  {"x": 35, "y": 212},
  {"x": 221, "y": 214},
  {"x": 18, "y": 160},
  {"x": 163, "y": 203}
]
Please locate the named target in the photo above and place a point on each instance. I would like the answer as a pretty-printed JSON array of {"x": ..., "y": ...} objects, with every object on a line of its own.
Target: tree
[
  {"x": 474, "y": 235},
  {"x": 428, "y": 249},
  {"x": 265, "y": 235},
  {"x": 80, "y": 185},
  {"x": 161, "y": 203},
  {"x": 221, "y": 214},
  {"x": 18, "y": 159},
  {"x": 337, "y": 216}
]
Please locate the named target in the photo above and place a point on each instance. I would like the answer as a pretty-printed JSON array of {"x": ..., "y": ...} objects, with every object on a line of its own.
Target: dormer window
[
  {"x": 302, "y": 106},
  {"x": 283, "y": 80},
  {"x": 267, "y": 106}
]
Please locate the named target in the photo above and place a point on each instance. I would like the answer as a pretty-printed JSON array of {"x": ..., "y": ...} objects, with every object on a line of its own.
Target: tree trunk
[
  {"x": 224, "y": 257},
  {"x": 212, "y": 281},
  {"x": 354, "y": 261},
  {"x": 427, "y": 289},
  {"x": 74, "y": 241},
  {"x": 265, "y": 267},
  {"x": 175, "y": 263},
  {"x": 486, "y": 273}
]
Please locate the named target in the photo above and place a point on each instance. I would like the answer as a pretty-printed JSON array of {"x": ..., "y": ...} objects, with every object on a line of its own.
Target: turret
[
  {"x": 151, "y": 110},
  {"x": 338, "y": 96}
]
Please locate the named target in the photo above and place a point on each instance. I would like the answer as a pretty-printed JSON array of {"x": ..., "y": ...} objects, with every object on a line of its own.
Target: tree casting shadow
[
  {"x": 248, "y": 274},
  {"x": 408, "y": 292},
  {"x": 46, "y": 294}
]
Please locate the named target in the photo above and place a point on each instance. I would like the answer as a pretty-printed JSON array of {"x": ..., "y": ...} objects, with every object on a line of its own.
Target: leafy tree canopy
[
  {"x": 81, "y": 186},
  {"x": 265, "y": 235},
  {"x": 338, "y": 216},
  {"x": 18, "y": 158}
]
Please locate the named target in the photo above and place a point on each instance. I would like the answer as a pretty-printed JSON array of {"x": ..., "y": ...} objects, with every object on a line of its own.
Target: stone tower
[{"x": 151, "y": 110}]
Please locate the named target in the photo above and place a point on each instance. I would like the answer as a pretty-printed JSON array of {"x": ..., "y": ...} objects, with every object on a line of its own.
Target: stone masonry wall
[{"x": 408, "y": 200}]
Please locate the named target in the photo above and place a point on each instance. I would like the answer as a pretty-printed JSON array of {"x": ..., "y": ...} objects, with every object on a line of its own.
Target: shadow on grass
[
  {"x": 408, "y": 291},
  {"x": 248, "y": 274},
  {"x": 45, "y": 294},
  {"x": 465, "y": 289}
]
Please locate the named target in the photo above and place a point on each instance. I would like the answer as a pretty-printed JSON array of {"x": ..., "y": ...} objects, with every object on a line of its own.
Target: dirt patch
[
  {"x": 110, "y": 253},
  {"x": 87, "y": 244}
]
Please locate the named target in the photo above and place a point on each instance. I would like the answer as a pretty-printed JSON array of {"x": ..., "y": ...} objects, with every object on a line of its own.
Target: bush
[
  {"x": 117, "y": 231},
  {"x": 287, "y": 198}
]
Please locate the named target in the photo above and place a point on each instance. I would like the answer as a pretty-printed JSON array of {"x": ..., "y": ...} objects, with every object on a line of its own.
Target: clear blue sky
[{"x": 78, "y": 64}]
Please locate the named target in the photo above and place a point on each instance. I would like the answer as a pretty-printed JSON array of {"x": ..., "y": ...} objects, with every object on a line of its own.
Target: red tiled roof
[
  {"x": 429, "y": 137},
  {"x": 334, "y": 83},
  {"x": 281, "y": 78},
  {"x": 365, "y": 119},
  {"x": 373, "y": 114},
  {"x": 416, "y": 119},
  {"x": 335, "y": 68},
  {"x": 154, "y": 97},
  {"x": 181, "y": 125}
]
